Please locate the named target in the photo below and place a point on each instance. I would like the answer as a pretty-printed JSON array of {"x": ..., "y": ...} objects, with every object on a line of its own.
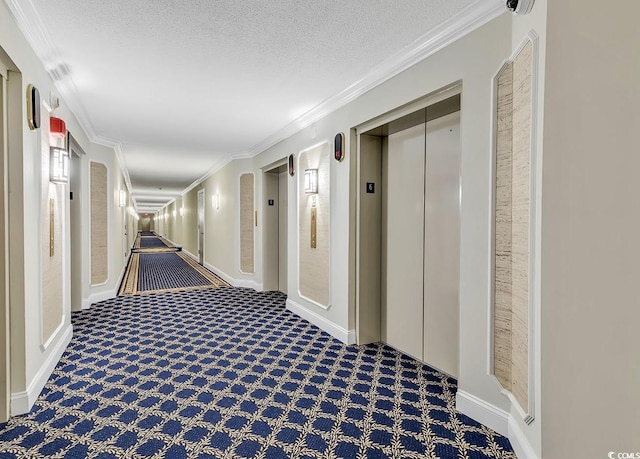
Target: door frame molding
[
  {"x": 5, "y": 381},
  {"x": 203, "y": 221},
  {"x": 267, "y": 261},
  {"x": 356, "y": 224}
]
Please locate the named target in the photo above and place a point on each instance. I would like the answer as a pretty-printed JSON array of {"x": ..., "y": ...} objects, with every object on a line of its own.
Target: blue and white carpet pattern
[
  {"x": 151, "y": 242},
  {"x": 167, "y": 271},
  {"x": 230, "y": 373}
]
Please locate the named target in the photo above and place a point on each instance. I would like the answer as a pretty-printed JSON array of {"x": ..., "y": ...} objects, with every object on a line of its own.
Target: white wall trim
[
  {"x": 466, "y": 21},
  {"x": 344, "y": 335},
  {"x": 519, "y": 442},
  {"x": 22, "y": 402},
  {"x": 44, "y": 346},
  {"x": 496, "y": 419},
  {"x": 98, "y": 296},
  {"x": 245, "y": 283},
  {"x": 192, "y": 256},
  {"x": 483, "y": 412}
]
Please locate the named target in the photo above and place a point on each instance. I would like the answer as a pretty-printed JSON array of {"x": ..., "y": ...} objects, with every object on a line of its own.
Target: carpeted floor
[
  {"x": 163, "y": 271},
  {"x": 231, "y": 373},
  {"x": 151, "y": 242}
]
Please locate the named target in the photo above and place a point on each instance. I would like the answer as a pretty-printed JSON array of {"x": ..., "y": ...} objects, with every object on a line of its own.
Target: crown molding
[
  {"x": 469, "y": 19},
  {"x": 219, "y": 164},
  {"x": 466, "y": 21},
  {"x": 32, "y": 27}
]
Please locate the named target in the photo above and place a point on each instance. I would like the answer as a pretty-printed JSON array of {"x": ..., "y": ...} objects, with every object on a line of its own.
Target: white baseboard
[
  {"x": 98, "y": 296},
  {"x": 22, "y": 402},
  {"x": 483, "y": 412},
  {"x": 246, "y": 283},
  {"x": 496, "y": 419},
  {"x": 106, "y": 294},
  {"x": 344, "y": 335},
  {"x": 190, "y": 254},
  {"x": 519, "y": 442}
]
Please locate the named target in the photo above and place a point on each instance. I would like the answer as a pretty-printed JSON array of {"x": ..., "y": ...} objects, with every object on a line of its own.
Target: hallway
[
  {"x": 427, "y": 177},
  {"x": 230, "y": 372}
]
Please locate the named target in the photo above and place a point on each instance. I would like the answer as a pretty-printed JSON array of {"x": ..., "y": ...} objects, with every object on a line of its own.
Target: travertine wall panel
[
  {"x": 502, "y": 291},
  {"x": 99, "y": 224},
  {"x": 314, "y": 262},
  {"x": 512, "y": 215},
  {"x": 520, "y": 224},
  {"x": 247, "y": 223}
]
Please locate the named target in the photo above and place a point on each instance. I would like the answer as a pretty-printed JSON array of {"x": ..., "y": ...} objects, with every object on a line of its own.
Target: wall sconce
[
  {"x": 215, "y": 201},
  {"x": 311, "y": 180},
  {"x": 182, "y": 211},
  {"x": 123, "y": 198},
  {"x": 59, "y": 170}
]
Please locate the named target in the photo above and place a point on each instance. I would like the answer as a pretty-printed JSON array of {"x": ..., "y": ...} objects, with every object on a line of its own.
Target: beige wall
[
  {"x": 591, "y": 215},
  {"x": 53, "y": 210},
  {"x": 189, "y": 239},
  {"x": 314, "y": 263},
  {"x": 222, "y": 225},
  {"x": 34, "y": 311}
]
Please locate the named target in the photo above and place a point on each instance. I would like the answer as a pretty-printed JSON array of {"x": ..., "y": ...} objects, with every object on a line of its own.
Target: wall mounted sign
[
  {"x": 33, "y": 107},
  {"x": 338, "y": 149}
]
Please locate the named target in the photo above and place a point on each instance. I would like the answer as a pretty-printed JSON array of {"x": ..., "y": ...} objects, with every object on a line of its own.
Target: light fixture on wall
[
  {"x": 123, "y": 198},
  {"x": 182, "y": 211},
  {"x": 59, "y": 169},
  {"x": 311, "y": 181},
  {"x": 215, "y": 201}
]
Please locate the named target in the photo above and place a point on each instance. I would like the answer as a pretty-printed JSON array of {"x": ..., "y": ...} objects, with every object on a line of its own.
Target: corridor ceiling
[{"x": 179, "y": 87}]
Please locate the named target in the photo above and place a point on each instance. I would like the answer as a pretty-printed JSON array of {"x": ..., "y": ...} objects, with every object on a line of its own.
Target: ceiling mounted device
[{"x": 520, "y": 6}]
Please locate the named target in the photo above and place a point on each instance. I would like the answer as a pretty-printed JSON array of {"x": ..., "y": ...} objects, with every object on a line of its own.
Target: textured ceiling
[{"x": 181, "y": 84}]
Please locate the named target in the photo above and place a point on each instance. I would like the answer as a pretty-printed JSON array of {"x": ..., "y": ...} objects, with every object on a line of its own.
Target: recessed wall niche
[
  {"x": 313, "y": 217},
  {"x": 512, "y": 319},
  {"x": 99, "y": 224},
  {"x": 246, "y": 223}
]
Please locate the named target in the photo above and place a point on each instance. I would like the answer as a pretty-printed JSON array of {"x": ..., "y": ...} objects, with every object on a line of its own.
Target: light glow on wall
[{"x": 59, "y": 170}]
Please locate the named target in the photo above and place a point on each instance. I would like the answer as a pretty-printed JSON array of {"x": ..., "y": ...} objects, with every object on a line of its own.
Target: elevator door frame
[
  {"x": 367, "y": 291},
  {"x": 274, "y": 260}
]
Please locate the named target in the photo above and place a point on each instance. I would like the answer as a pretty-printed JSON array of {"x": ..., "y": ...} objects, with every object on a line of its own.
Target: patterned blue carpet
[
  {"x": 167, "y": 271},
  {"x": 230, "y": 373},
  {"x": 151, "y": 242}
]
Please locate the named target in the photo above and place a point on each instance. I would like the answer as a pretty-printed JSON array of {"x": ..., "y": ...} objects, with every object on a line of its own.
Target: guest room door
[{"x": 201, "y": 227}]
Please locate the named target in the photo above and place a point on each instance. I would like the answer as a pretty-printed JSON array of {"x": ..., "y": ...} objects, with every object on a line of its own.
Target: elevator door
[
  {"x": 420, "y": 252},
  {"x": 402, "y": 287}
]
